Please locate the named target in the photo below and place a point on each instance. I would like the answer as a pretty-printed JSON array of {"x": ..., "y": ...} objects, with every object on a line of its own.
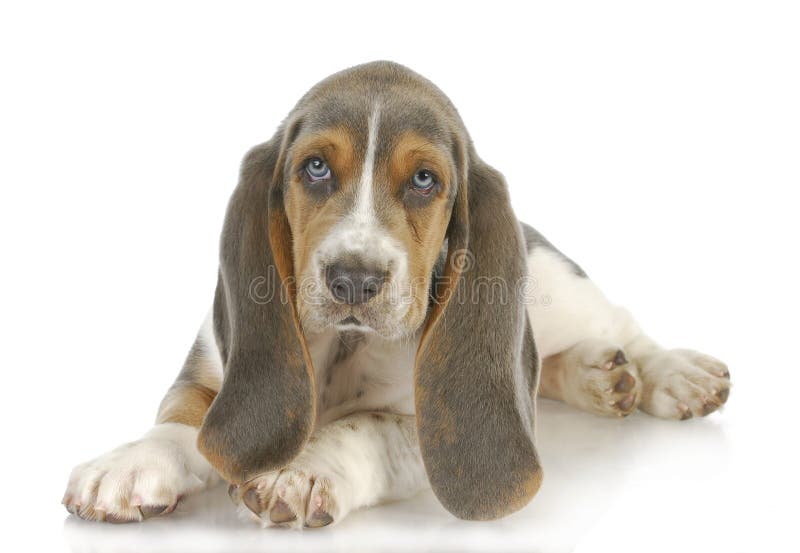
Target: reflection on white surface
[{"x": 600, "y": 474}]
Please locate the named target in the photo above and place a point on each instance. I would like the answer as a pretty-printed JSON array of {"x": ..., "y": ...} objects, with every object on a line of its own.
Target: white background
[{"x": 658, "y": 145}]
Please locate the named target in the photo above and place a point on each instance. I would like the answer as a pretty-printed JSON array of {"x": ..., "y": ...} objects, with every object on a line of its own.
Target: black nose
[{"x": 352, "y": 284}]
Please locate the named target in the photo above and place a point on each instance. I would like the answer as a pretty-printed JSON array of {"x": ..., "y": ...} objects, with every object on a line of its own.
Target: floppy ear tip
[
  {"x": 238, "y": 455},
  {"x": 491, "y": 500},
  {"x": 220, "y": 463},
  {"x": 229, "y": 467},
  {"x": 230, "y": 462}
]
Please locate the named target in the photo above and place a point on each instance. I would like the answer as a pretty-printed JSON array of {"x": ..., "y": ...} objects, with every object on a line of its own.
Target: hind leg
[
  {"x": 679, "y": 383},
  {"x": 597, "y": 358}
]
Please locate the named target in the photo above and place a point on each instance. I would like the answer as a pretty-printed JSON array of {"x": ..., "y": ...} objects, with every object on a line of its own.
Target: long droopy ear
[
  {"x": 264, "y": 412},
  {"x": 477, "y": 366}
]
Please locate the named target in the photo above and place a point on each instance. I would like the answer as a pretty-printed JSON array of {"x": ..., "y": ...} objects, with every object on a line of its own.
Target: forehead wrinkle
[
  {"x": 347, "y": 110},
  {"x": 416, "y": 116}
]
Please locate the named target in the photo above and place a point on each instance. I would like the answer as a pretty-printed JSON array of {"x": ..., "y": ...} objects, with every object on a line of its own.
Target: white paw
[
  {"x": 141, "y": 479},
  {"x": 296, "y": 497},
  {"x": 681, "y": 383},
  {"x": 600, "y": 378}
]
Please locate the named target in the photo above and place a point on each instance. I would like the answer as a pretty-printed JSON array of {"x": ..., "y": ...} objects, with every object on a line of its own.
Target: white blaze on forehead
[{"x": 364, "y": 209}]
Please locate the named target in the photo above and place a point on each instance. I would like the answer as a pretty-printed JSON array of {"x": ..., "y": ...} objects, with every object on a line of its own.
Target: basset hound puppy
[{"x": 372, "y": 331}]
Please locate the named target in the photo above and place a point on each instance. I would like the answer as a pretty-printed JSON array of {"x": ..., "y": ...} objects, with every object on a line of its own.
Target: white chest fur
[{"x": 357, "y": 371}]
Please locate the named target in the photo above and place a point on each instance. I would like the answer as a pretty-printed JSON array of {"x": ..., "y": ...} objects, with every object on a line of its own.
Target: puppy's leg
[
  {"x": 580, "y": 336},
  {"x": 359, "y": 460},
  {"x": 579, "y": 333},
  {"x": 149, "y": 476}
]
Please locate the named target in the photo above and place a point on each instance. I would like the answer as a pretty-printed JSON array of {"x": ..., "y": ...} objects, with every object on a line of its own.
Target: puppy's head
[
  {"x": 369, "y": 184},
  {"x": 370, "y": 175}
]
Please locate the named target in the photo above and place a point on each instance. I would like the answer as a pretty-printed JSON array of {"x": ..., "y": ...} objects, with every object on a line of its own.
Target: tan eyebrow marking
[
  {"x": 335, "y": 145},
  {"x": 413, "y": 151}
]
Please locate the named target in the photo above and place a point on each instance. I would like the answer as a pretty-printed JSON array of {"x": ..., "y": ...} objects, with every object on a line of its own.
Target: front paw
[
  {"x": 681, "y": 383},
  {"x": 139, "y": 480},
  {"x": 296, "y": 497}
]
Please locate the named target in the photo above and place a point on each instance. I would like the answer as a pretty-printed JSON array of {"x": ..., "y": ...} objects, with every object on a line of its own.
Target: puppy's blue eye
[
  {"x": 318, "y": 169},
  {"x": 423, "y": 181}
]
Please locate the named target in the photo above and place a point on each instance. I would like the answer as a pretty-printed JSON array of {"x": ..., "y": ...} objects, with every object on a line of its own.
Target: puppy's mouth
[
  {"x": 384, "y": 318},
  {"x": 351, "y": 322}
]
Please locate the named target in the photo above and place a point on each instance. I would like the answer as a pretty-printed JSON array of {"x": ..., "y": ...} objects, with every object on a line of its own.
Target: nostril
[
  {"x": 372, "y": 285},
  {"x": 339, "y": 290},
  {"x": 342, "y": 290}
]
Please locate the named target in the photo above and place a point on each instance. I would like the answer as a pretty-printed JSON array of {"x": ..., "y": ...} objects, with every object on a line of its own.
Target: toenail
[
  {"x": 281, "y": 512},
  {"x": 252, "y": 501},
  {"x": 150, "y": 511},
  {"x": 626, "y": 402},
  {"x": 319, "y": 519},
  {"x": 115, "y": 519},
  {"x": 626, "y": 383},
  {"x": 233, "y": 493}
]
